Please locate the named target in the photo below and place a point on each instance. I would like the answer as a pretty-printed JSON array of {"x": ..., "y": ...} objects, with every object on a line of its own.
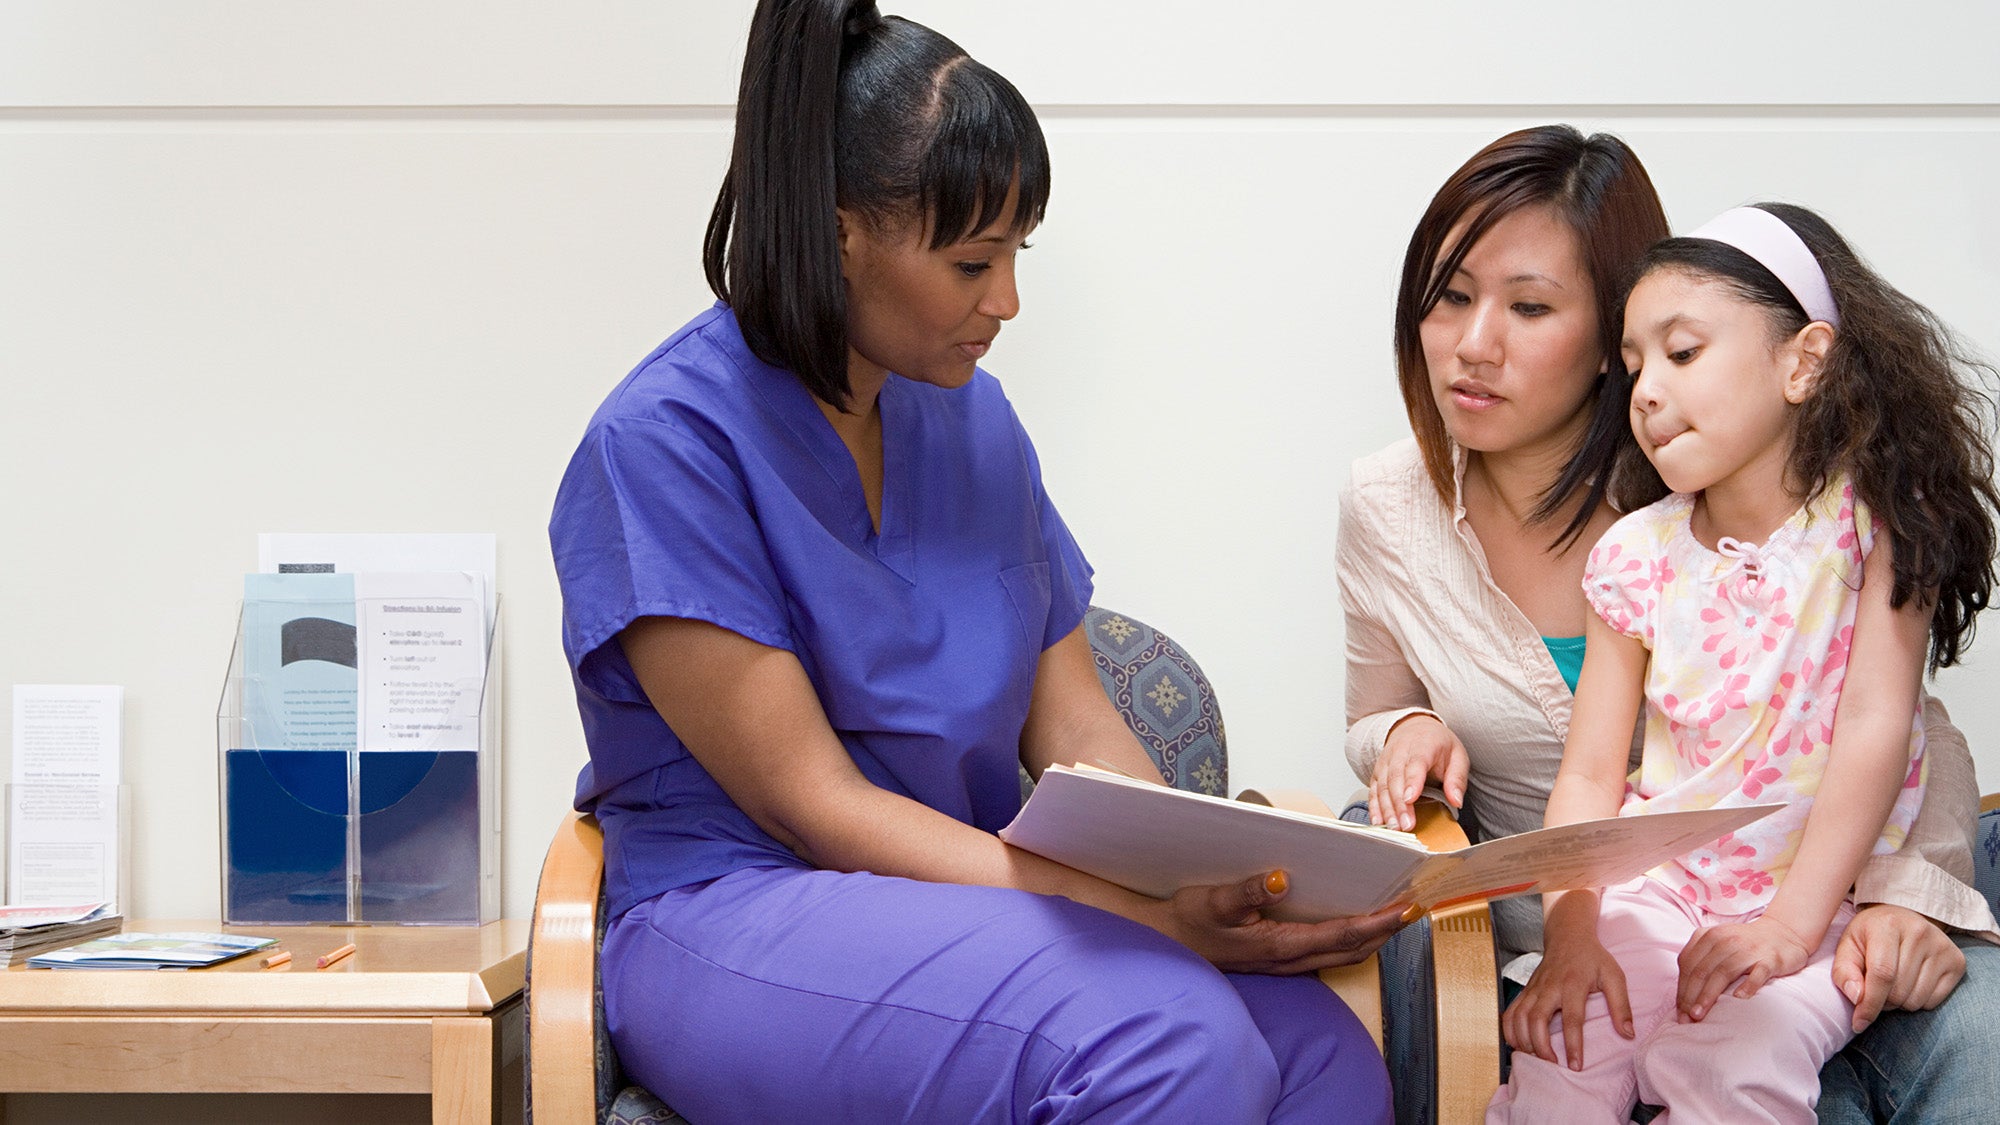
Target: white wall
[{"x": 296, "y": 266}]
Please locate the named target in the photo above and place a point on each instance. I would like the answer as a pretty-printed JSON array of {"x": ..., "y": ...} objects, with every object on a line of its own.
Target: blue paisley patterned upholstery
[
  {"x": 1165, "y": 699},
  {"x": 1986, "y": 854}
]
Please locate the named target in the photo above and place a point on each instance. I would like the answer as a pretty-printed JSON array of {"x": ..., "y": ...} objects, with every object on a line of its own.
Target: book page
[
  {"x": 1154, "y": 840},
  {"x": 1591, "y": 853}
]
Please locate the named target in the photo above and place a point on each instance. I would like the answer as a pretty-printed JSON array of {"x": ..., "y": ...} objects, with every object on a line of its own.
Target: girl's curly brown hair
[{"x": 1900, "y": 406}]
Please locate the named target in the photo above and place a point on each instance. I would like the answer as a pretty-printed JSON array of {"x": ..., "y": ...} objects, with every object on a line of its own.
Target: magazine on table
[
  {"x": 28, "y": 930},
  {"x": 152, "y": 951}
]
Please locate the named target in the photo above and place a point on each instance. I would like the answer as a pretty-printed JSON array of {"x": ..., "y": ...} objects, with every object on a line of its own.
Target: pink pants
[{"x": 1748, "y": 1060}]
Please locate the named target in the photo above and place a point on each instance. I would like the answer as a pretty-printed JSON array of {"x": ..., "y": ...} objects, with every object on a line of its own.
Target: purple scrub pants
[{"x": 783, "y": 994}]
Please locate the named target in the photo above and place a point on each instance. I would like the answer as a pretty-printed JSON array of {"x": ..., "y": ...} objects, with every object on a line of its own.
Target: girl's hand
[
  {"x": 1418, "y": 749},
  {"x": 1226, "y": 925},
  {"x": 1572, "y": 969},
  {"x": 1892, "y": 956},
  {"x": 1758, "y": 952}
]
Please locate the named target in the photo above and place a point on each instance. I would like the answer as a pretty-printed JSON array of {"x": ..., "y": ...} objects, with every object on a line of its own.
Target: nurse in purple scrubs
[{"x": 820, "y": 610}]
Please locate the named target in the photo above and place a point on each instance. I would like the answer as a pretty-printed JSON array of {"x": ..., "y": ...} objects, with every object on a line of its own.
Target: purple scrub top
[{"x": 709, "y": 486}]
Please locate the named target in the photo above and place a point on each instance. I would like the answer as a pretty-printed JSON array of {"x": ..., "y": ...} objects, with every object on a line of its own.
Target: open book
[{"x": 1155, "y": 840}]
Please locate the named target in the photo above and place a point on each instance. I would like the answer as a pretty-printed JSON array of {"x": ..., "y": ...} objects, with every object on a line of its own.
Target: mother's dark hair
[
  {"x": 842, "y": 107},
  {"x": 1598, "y": 187}
]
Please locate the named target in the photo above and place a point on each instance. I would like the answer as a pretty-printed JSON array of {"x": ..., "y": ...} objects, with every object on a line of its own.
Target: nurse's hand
[
  {"x": 1226, "y": 925},
  {"x": 1419, "y": 749}
]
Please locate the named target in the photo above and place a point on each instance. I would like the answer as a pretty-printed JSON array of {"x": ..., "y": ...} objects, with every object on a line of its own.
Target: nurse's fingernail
[{"x": 1276, "y": 882}]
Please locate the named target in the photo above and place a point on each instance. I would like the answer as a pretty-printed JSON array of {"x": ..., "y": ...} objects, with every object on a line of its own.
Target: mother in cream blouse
[{"x": 1460, "y": 563}]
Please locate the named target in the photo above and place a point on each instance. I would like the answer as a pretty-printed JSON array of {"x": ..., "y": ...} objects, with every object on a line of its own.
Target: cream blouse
[{"x": 1428, "y": 632}]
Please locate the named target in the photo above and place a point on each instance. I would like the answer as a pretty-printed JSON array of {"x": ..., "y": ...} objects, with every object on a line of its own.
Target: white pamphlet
[
  {"x": 62, "y": 808},
  {"x": 421, "y": 643},
  {"x": 475, "y": 553}
]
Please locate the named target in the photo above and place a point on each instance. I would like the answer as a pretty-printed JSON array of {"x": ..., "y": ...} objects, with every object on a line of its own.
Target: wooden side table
[{"x": 414, "y": 1010}]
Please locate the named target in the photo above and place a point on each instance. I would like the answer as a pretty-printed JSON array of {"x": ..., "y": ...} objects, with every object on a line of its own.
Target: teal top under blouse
[{"x": 1568, "y": 655}]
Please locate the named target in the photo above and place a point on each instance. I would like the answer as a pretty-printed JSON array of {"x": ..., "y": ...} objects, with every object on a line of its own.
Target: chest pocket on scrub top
[{"x": 1028, "y": 588}]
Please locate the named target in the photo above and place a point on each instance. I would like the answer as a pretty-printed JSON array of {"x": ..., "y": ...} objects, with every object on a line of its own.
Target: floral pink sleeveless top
[{"x": 1749, "y": 648}]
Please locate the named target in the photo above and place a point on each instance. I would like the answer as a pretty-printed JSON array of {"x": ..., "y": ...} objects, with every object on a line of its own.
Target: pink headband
[{"x": 1777, "y": 247}]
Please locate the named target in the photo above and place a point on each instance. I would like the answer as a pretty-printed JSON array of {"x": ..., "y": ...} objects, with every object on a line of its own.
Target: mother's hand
[
  {"x": 1894, "y": 957},
  {"x": 1226, "y": 924},
  {"x": 1419, "y": 748}
]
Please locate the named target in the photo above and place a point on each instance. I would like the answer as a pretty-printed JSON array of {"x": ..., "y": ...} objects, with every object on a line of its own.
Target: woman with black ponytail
[{"x": 820, "y": 612}]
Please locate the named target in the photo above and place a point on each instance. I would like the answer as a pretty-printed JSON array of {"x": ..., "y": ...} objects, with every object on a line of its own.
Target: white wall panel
[{"x": 1104, "y": 52}]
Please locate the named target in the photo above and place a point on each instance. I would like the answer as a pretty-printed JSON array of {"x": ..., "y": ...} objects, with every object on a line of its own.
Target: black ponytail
[{"x": 843, "y": 107}]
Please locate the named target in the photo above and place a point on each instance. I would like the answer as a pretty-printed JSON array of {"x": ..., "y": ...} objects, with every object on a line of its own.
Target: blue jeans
[{"x": 1933, "y": 1068}]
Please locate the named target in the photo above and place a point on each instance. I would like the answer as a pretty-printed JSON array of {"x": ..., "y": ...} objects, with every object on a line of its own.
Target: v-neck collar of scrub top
[{"x": 893, "y": 544}]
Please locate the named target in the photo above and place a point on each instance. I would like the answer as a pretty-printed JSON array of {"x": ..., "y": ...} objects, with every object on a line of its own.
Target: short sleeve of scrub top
[{"x": 710, "y": 486}]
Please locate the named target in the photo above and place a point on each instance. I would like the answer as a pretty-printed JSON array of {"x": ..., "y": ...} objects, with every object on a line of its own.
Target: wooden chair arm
[
  {"x": 1468, "y": 989},
  {"x": 562, "y": 958},
  {"x": 1359, "y": 985}
]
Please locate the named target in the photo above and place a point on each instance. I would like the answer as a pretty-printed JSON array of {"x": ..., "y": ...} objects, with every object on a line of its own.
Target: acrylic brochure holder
[
  {"x": 63, "y": 858},
  {"x": 326, "y": 833}
]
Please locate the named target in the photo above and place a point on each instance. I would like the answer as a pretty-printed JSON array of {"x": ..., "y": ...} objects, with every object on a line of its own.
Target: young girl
[{"x": 1832, "y": 522}]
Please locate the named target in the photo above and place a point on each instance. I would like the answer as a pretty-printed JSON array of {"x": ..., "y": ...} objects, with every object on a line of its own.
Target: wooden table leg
[{"x": 461, "y": 1071}]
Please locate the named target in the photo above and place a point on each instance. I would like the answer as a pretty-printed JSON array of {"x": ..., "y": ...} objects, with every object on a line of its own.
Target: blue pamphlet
[{"x": 300, "y": 678}]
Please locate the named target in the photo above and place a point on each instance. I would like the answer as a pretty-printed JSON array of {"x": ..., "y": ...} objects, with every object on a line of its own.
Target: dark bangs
[
  {"x": 927, "y": 134},
  {"x": 987, "y": 143}
]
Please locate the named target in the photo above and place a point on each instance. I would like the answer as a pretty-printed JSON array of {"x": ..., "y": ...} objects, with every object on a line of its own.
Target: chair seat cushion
[{"x": 634, "y": 1106}]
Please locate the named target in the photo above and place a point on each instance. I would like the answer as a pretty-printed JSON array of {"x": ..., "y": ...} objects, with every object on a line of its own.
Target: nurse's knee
[{"x": 1179, "y": 1044}]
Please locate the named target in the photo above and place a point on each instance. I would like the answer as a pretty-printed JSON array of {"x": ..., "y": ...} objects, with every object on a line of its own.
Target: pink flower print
[
  {"x": 1688, "y": 722},
  {"x": 1739, "y": 626},
  {"x": 1756, "y": 776},
  {"x": 1662, "y": 573},
  {"x": 1836, "y": 654},
  {"x": 1754, "y": 881},
  {"x": 1776, "y": 624},
  {"x": 1849, "y": 539},
  {"x": 1805, "y": 709},
  {"x": 1692, "y": 744},
  {"x": 1604, "y": 560},
  {"x": 1620, "y": 582},
  {"x": 1721, "y": 627},
  {"x": 1740, "y": 851},
  {"x": 1727, "y": 698}
]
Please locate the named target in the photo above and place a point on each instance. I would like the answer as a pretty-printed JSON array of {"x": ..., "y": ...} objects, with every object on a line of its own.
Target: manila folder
[{"x": 1154, "y": 840}]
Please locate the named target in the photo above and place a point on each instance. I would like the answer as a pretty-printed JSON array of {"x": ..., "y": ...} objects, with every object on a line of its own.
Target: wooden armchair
[{"x": 573, "y": 1073}]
